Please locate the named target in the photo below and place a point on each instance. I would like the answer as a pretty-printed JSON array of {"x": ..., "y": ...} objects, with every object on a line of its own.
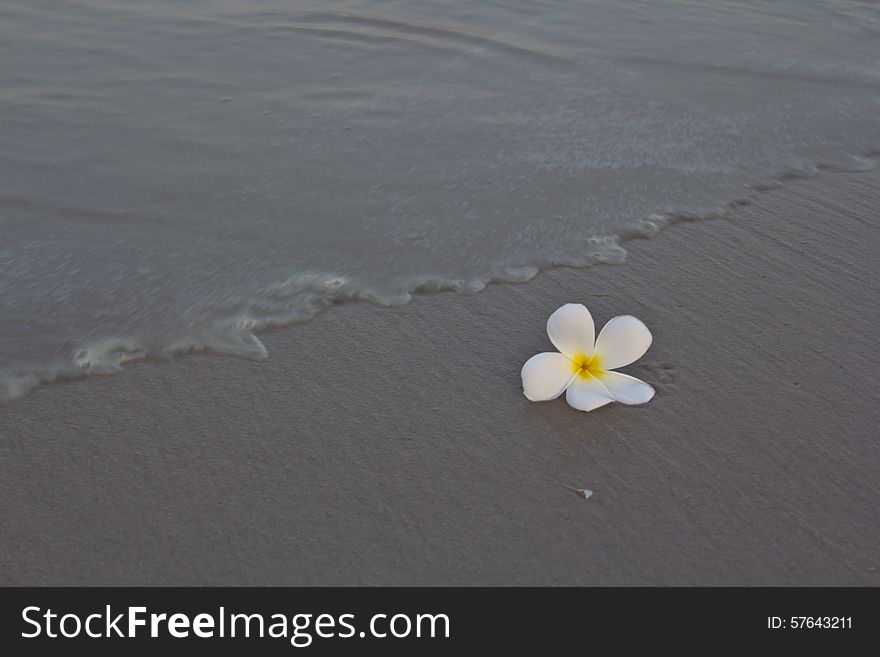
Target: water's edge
[{"x": 316, "y": 292}]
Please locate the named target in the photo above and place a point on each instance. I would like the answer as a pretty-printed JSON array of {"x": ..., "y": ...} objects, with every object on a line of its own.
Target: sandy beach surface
[{"x": 393, "y": 446}]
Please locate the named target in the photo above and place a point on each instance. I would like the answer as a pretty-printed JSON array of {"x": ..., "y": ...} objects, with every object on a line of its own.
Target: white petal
[
  {"x": 571, "y": 330},
  {"x": 587, "y": 394},
  {"x": 626, "y": 389},
  {"x": 622, "y": 341},
  {"x": 545, "y": 376}
]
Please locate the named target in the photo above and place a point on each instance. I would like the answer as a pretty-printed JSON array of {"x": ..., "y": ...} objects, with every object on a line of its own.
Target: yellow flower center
[{"x": 586, "y": 366}]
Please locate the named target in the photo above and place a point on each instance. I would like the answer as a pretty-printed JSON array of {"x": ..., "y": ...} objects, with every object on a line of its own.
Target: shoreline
[
  {"x": 111, "y": 354},
  {"x": 392, "y": 445}
]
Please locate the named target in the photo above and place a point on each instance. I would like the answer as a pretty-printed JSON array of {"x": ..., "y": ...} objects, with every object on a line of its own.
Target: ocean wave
[{"x": 300, "y": 297}]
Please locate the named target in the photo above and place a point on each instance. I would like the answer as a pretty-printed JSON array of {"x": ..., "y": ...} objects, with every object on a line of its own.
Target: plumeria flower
[{"x": 583, "y": 368}]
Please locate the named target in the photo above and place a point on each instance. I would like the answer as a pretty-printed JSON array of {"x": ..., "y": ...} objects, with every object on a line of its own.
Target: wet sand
[{"x": 394, "y": 446}]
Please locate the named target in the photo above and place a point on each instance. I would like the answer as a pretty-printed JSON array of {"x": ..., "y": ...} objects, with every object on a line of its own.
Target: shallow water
[{"x": 174, "y": 176}]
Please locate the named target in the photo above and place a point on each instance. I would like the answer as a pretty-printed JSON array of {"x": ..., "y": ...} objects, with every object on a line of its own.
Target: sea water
[{"x": 175, "y": 176}]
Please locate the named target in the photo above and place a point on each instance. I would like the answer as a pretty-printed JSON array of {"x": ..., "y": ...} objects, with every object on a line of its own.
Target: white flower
[{"x": 583, "y": 369}]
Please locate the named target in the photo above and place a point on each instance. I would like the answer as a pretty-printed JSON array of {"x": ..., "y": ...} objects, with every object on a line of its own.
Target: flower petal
[
  {"x": 585, "y": 394},
  {"x": 622, "y": 341},
  {"x": 571, "y": 330},
  {"x": 626, "y": 389},
  {"x": 546, "y": 375}
]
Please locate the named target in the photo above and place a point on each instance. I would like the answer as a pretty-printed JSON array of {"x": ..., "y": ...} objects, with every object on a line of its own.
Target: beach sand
[{"x": 394, "y": 446}]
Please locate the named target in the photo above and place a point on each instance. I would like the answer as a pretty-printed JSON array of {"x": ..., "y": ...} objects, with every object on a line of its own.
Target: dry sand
[{"x": 394, "y": 446}]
